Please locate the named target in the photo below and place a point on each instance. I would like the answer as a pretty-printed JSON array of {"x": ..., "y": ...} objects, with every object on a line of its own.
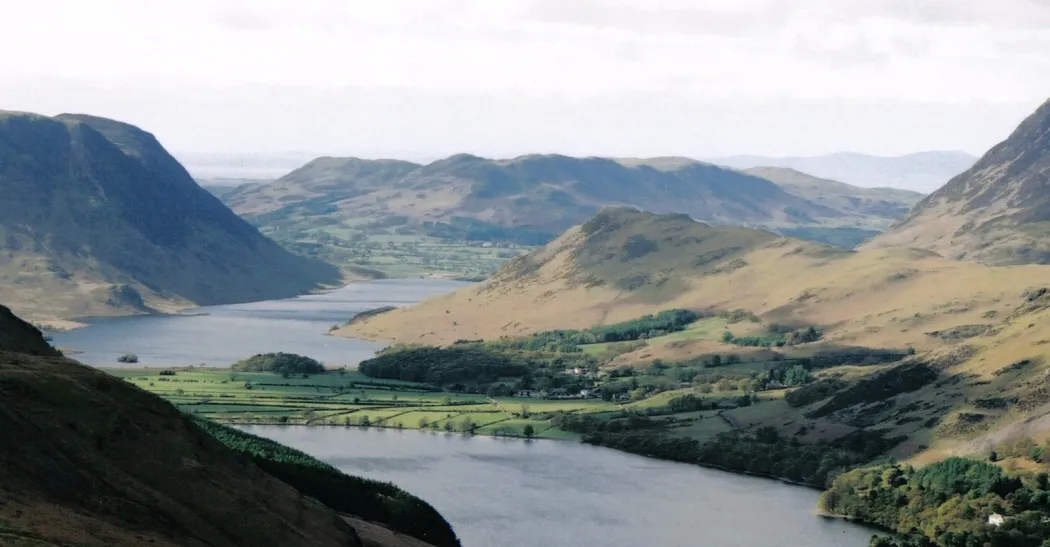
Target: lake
[
  {"x": 495, "y": 492},
  {"x": 515, "y": 493},
  {"x": 223, "y": 335}
]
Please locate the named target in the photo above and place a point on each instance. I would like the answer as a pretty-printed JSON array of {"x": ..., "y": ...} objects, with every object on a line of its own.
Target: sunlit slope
[
  {"x": 997, "y": 212},
  {"x": 980, "y": 334},
  {"x": 624, "y": 263}
]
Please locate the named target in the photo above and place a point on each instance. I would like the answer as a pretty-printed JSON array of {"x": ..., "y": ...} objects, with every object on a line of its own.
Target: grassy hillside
[
  {"x": 90, "y": 460},
  {"x": 466, "y": 215},
  {"x": 997, "y": 212},
  {"x": 977, "y": 376},
  {"x": 98, "y": 219}
]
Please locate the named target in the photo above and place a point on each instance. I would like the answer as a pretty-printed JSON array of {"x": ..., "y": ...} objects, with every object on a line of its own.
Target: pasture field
[{"x": 348, "y": 398}]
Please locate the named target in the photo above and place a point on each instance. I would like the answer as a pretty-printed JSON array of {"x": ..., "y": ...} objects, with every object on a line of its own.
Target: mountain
[
  {"x": 91, "y": 460},
  {"x": 920, "y": 172},
  {"x": 875, "y": 207},
  {"x": 625, "y": 263},
  {"x": 871, "y": 210},
  {"x": 997, "y": 212},
  {"x": 390, "y": 214},
  {"x": 539, "y": 195},
  {"x": 941, "y": 356},
  {"x": 96, "y": 218}
]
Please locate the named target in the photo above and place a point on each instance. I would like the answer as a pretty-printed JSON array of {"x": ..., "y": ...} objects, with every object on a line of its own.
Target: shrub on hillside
[{"x": 279, "y": 363}]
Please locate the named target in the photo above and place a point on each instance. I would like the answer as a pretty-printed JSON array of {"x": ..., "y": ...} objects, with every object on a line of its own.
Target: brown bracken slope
[{"x": 997, "y": 212}]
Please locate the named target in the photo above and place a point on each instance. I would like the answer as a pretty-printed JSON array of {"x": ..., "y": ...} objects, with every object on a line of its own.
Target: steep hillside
[
  {"x": 96, "y": 218},
  {"x": 623, "y": 263},
  {"x": 920, "y": 172},
  {"x": 997, "y": 212},
  {"x": 978, "y": 333},
  {"x": 89, "y": 460},
  {"x": 20, "y": 337}
]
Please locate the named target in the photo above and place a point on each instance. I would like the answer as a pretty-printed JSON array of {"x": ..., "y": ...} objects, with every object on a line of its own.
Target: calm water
[
  {"x": 230, "y": 333},
  {"x": 495, "y": 492},
  {"x": 512, "y": 493}
]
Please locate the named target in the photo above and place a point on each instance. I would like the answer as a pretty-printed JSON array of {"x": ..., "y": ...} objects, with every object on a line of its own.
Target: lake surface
[
  {"x": 495, "y": 492},
  {"x": 514, "y": 493},
  {"x": 230, "y": 333}
]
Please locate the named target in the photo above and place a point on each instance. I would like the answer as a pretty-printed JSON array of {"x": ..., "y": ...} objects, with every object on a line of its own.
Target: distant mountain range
[
  {"x": 96, "y": 218},
  {"x": 997, "y": 212},
  {"x": 920, "y": 172},
  {"x": 531, "y": 199},
  {"x": 228, "y": 167}
]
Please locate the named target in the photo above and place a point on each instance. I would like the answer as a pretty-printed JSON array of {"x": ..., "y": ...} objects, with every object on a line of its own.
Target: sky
[{"x": 421, "y": 79}]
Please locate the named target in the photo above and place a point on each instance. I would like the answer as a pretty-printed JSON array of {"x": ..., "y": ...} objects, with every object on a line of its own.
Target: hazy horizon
[{"x": 627, "y": 78}]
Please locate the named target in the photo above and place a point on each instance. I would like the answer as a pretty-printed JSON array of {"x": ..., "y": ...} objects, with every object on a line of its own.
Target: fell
[
  {"x": 997, "y": 212},
  {"x": 96, "y": 218}
]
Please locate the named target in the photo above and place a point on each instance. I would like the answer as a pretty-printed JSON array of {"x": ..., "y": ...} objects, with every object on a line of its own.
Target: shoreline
[
  {"x": 174, "y": 309},
  {"x": 784, "y": 480}
]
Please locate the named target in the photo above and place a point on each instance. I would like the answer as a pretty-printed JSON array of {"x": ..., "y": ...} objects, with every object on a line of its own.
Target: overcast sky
[{"x": 425, "y": 78}]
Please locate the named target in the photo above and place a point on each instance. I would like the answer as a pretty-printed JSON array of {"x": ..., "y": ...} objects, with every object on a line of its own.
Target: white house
[{"x": 995, "y": 519}]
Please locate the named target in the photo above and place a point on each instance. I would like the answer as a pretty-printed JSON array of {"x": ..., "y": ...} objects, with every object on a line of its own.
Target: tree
[
  {"x": 280, "y": 363},
  {"x": 529, "y": 431},
  {"x": 733, "y": 359},
  {"x": 466, "y": 425},
  {"x": 727, "y": 337},
  {"x": 796, "y": 376},
  {"x": 423, "y": 423},
  {"x": 128, "y": 358},
  {"x": 716, "y": 360},
  {"x": 448, "y": 426}
]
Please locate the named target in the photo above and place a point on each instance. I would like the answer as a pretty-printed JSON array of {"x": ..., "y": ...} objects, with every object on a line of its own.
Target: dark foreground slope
[
  {"x": 96, "y": 218},
  {"x": 88, "y": 460}
]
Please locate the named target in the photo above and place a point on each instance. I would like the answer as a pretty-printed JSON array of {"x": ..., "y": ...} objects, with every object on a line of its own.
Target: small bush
[{"x": 280, "y": 363}]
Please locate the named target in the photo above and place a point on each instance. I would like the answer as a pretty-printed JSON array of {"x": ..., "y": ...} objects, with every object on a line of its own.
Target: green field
[
  {"x": 382, "y": 250},
  {"x": 347, "y": 398}
]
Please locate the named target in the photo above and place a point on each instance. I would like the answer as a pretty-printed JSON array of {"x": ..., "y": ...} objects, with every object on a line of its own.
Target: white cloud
[{"x": 922, "y": 57}]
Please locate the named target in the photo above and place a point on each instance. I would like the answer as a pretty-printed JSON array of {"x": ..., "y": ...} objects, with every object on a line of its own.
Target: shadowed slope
[
  {"x": 87, "y": 459},
  {"x": 98, "y": 219}
]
